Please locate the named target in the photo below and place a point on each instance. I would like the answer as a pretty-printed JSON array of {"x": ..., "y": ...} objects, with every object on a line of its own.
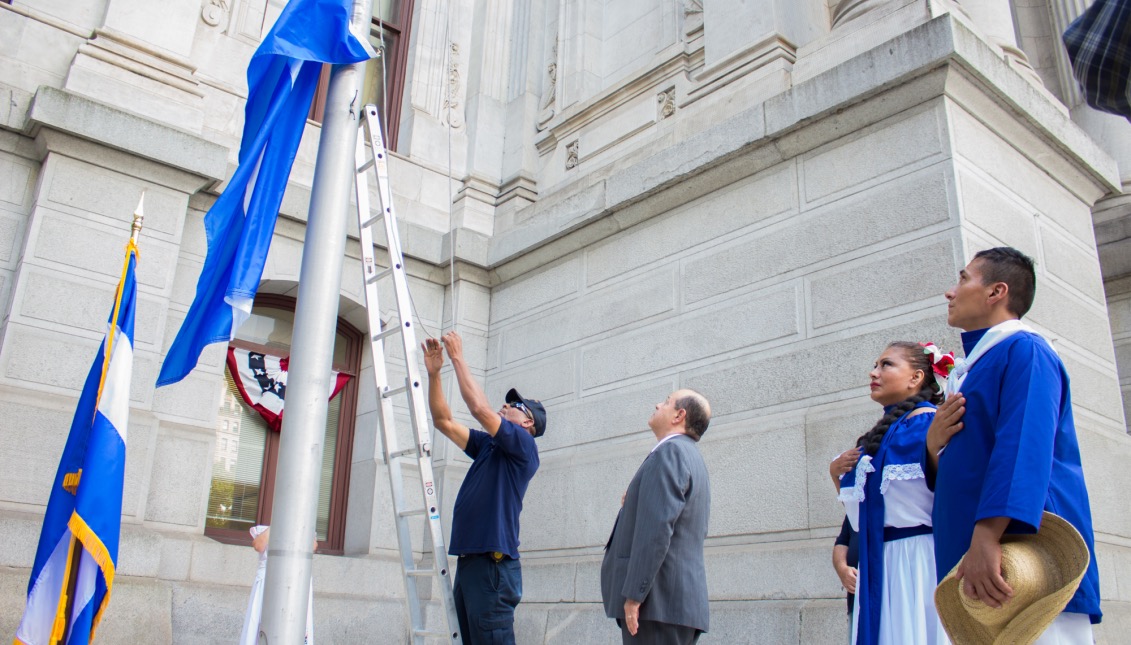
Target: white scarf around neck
[{"x": 992, "y": 337}]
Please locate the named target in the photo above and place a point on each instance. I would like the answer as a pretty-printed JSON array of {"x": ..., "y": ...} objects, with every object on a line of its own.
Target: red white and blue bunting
[{"x": 262, "y": 382}]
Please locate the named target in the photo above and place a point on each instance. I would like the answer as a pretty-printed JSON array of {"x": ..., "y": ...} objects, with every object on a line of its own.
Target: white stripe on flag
[
  {"x": 115, "y": 401},
  {"x": 84, "y": 591},
  {"x": 43, "y": 601}
]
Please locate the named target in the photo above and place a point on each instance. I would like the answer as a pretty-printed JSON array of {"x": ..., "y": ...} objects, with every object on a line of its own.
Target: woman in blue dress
[{"x": 885, "y": 496}]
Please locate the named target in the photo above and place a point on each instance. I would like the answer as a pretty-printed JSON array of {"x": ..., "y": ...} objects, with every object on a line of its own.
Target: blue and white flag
[
  {"x": 281, "y": 79},
  {"x": 83, "y": 519}
]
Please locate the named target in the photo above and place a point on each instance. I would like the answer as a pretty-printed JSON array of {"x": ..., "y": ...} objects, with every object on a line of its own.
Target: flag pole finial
[{"x": 139, "y": 218}]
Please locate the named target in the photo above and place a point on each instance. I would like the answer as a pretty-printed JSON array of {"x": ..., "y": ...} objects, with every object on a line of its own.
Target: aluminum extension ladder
[{"x": 375, "y": 156}]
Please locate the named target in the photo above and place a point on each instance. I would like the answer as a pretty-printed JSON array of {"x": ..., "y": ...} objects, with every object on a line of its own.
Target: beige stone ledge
[{"x": 58, "y": 109}]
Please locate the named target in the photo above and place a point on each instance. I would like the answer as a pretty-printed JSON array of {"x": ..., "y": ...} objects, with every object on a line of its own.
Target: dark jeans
[{"x": 486, "y": 594}]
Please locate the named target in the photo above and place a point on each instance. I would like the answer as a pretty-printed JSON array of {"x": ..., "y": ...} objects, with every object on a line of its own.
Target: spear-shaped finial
[{"x": 139, "y": 217}]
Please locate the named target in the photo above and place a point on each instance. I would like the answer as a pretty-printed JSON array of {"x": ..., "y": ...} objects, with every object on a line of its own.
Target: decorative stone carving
[
  {"x": 549, "y": 93},
  {"x": 692, "y": 16},
  {"x": 213, "y": 12},
  {"x": 666, "y": 103},
  {"x": 848, "y": 10},
  {"x": 452, "y": 112},
  {"x": 571, "y": 155}
]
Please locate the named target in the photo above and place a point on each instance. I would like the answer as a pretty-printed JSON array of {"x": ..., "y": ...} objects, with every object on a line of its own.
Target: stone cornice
[
  {"x": 939, "y": 58},
  {"x": 79, "y": 116}
]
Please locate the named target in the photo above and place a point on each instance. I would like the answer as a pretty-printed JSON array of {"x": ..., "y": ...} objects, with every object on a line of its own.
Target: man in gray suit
[{"x": 653, "y": 580}]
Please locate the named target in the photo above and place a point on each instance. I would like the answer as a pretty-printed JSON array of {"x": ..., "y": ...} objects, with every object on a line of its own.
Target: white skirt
[
  {"x": 250, "y": 633},
  {"x": 907, "y": 612}
]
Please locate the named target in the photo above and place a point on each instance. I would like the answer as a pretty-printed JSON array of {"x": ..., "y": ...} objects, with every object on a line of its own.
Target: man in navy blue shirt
[
  {"x": 488, "y": 583},
  {"x": 1003, "y": 447}
]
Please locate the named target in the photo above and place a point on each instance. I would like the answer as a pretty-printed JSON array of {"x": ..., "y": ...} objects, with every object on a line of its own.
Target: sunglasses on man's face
[{"x": 519, "y": 406}]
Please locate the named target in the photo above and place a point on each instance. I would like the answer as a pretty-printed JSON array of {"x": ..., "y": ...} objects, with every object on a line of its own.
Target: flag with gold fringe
[{"x": 73, "y": 573}]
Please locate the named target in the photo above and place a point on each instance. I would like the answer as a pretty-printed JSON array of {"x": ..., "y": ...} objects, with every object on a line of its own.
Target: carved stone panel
[
  {"x": 571, "y": 155},
  {"x": 665, "y": 102},
  {"x": 453, "y": 111}
]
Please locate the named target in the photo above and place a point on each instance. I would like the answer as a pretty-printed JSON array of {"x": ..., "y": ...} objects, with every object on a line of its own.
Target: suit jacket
[{"x": 655, "y": 553}]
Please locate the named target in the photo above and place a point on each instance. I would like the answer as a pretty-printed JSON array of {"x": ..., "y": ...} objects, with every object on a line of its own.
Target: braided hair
[{"x": 930, "y": 391}]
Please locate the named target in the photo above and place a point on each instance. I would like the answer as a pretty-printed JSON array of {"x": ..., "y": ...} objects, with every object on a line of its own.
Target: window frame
[
  {"x": 347, "y": 421},
  {"x": 402, "y": 27}
]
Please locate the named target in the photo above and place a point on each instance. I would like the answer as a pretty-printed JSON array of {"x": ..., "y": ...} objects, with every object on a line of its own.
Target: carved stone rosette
[{"x": 213, "y": 11}]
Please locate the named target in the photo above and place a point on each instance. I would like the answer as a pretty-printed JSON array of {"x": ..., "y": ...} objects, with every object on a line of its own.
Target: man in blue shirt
[
  {"x": 488, "y": 583},
  {"x": 1003, "y": 447}
]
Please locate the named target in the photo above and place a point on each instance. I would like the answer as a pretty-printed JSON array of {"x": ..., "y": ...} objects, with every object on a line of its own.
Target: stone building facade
[{"x": 749, "y": 198}]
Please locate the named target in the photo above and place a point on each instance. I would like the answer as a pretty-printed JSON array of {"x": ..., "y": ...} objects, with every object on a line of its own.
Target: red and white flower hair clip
[{"x": 940, "y": 362}]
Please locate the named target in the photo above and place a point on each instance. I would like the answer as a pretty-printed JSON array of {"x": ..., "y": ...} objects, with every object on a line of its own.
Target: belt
[
  {"x": 494, "y": 556},
  {"x": 893, "y": 533}
]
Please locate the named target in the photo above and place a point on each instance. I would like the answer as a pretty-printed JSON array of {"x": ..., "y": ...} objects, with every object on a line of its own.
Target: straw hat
[{"x": 1044, "y": 570}]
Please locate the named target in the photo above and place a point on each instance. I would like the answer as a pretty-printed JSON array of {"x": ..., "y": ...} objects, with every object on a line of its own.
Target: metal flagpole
[{"x": 295, "y": 504}]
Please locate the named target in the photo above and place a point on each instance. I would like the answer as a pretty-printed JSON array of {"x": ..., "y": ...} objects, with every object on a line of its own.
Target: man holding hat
[
  {"x": 1003, "y": 449},
  {"x": 488, "y": 584}
]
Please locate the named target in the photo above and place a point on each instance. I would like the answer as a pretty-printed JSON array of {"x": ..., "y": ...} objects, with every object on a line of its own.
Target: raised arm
[
  {"x": 441, "y": 413},
  {"x": 469, "y": 389}
]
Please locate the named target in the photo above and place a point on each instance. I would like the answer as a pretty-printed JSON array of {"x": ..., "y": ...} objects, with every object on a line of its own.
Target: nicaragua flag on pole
[
  {"x": 83, "y": 519},
  {"x": 281, "y": 79}
]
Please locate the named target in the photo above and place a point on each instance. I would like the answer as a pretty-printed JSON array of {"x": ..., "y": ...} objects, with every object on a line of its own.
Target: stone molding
[
  {"x": 122, "y": 50},
  {"x": 86, "y": 118},
  {"x": 772, "y": 49},
  {"x": 937, "y": 58},
  {"x": 577, "y": 116},
  {"x": 48, "y": 20}
]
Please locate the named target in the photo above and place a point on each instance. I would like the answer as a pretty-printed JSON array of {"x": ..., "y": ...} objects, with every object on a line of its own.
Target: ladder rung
[
  {"x": 365, "y": 166},
  {"x": 421, "y": 573},
  {"x": 380, "y": 275},
  {"x": 411, "y": 512},
  {"x": 395, "y": 391},
  {"x": 372, "y": 220},
  {"x": 385, "y": 333},
  {"x": 407, "y": 452},
  {"x": 429, "y": 632}
]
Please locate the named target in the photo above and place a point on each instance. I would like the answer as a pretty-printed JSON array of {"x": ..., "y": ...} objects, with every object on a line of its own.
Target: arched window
[{"x": 247, "y": 450}]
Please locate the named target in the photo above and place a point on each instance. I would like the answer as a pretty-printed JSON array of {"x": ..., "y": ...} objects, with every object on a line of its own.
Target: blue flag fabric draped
[
  {"x": 83, "y": 519},
  {"x": 282, "y": 78}
]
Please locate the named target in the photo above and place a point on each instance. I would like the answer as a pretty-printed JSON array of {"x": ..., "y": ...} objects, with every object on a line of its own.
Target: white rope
[{"x": 451, "y": 195}]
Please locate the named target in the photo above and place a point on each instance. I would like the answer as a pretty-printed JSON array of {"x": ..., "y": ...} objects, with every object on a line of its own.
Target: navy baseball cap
[{"x": 537, "y": 410}]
